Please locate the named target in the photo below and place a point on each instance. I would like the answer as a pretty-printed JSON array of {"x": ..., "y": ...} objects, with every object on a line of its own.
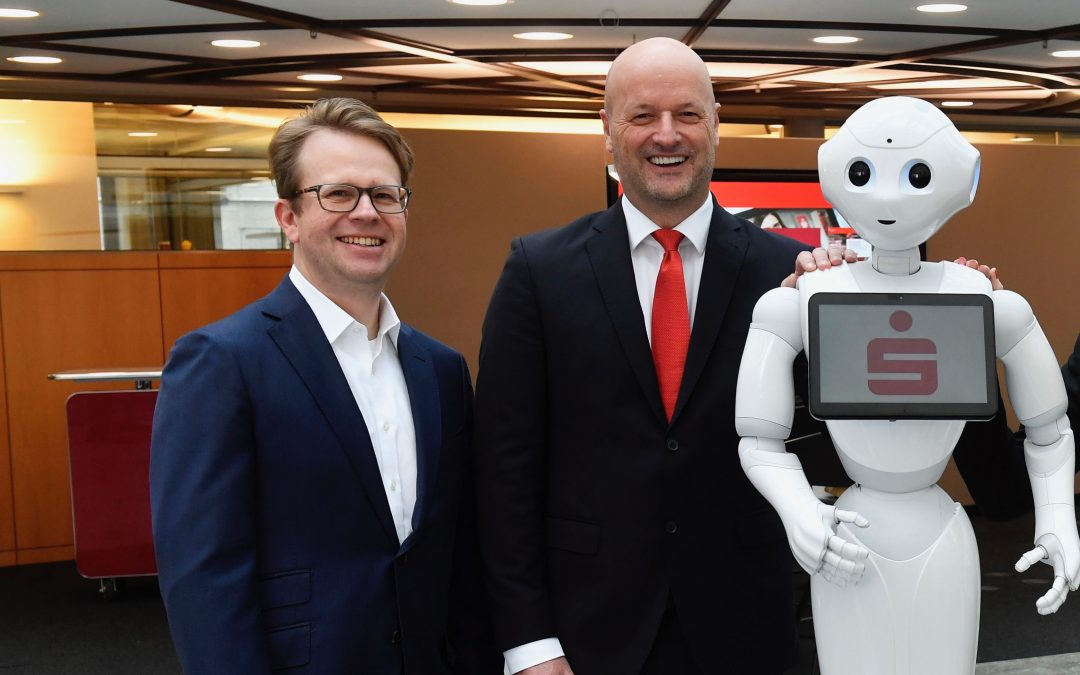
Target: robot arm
[
  {"x": 1039, "y": 399},
  {"x": 764, "y": 409}
]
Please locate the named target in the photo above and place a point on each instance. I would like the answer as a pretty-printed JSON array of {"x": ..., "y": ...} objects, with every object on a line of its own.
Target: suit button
[
  {"x": 670, "y": 527},
  {"x": 672, "y": 445},
  {"x": 395, "y": 637}
]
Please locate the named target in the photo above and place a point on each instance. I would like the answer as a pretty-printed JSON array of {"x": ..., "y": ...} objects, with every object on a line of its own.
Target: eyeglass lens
[{"x": 385, "y": 198}]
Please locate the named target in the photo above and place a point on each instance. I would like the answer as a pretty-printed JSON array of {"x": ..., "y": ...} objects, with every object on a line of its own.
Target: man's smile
[{"x": 362, "y": 241}]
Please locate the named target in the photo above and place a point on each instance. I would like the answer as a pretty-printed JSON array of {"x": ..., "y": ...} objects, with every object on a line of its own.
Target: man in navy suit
[
  {"x": 310, "y": 469},
  {"x": 620, "y": 535}
]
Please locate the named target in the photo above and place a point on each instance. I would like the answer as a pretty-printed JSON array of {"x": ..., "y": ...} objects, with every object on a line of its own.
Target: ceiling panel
[
  {"x": 1033, "y": 55},
  {"x": 1000, "y": 14},
  {"x": 276, "y": 43},
  {"x": 518, "y": 9},
  {"x": 74, "y": 63},
  {"x": 786, "y": 40},
  {"x": 69, "y": 15},
  {"x": 591, "y": 37}
]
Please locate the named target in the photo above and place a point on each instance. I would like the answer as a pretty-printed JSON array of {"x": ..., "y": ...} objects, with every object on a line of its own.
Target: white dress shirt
[
  {"x": 646, "y": 254},
  {"x": 374, "y": 374}
]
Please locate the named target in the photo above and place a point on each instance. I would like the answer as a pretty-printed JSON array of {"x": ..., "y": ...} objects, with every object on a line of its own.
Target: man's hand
[
  {"x": 990, "y": 272},
  {"x": 819, "y": 258},
  {"x": 557, "y": 666}
]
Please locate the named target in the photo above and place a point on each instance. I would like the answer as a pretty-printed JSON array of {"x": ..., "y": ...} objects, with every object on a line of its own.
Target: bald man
[{"x": 620, "y": 535}]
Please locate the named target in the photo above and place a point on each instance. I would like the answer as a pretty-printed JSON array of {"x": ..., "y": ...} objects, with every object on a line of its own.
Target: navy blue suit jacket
[
  {"x": 594, "y": 509},
  {"x": 275, "y": 545}
]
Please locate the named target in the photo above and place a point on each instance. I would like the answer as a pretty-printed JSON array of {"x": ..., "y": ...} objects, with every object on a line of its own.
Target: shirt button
[
  {"x": 672, "y": 445},
  {"x": 393, "y": 485},
  {"x": 670, "y": 527},
  {"x": 386, "y": 426}
]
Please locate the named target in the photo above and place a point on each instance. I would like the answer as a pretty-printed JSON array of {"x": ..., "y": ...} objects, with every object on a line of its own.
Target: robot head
[{"x": 897, "y": 170}]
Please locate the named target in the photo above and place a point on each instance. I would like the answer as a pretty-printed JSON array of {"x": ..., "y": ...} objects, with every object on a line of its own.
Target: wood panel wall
[{"x": 67, "y": 311}]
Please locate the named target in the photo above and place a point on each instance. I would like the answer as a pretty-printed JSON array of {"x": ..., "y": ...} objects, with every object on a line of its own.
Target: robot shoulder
[
  {"x": 960, "y": 279},
  {"x": 779, "y": 312},
  {"x": 1013, "y": 319}
]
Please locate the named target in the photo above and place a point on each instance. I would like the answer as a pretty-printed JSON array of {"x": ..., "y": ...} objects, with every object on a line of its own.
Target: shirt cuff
[{"x": 532, "y": 654}]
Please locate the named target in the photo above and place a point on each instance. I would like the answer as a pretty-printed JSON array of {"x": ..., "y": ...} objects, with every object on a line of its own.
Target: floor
[{"x": 52, "y": 622}]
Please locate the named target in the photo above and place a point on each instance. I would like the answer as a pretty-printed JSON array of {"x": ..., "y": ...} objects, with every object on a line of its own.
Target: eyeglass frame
[{"x": 360, "y": 192}]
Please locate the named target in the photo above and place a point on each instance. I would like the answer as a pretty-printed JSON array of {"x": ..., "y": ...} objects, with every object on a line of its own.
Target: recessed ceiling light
[
  {"x": 942, "y": 8},
  {"x": 1066, "y": 53},
  {"x": 236, "y": 44},
  {"x": 836, "y": 39},
  {"x": 957, "y": 104},
  {"x": 1022, "y": 139},
  {"x": 543, "y": 35},
  {"x": 34, "y": 59},
  {"x": 319, "y": 77},
  {"x": 142, "y": 134},
  {"x": 18, "y": 13},
  {"x": 776, "y": 126},
  {"x": 479, "y": 2},
  {"x": 219, "y": 150}
]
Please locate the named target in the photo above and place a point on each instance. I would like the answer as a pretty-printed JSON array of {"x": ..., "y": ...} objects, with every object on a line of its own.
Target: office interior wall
[
  {"x": 475, "y": 191},
  {"x": 68, "y": 311},
  {"x": 48, "y": 176}
]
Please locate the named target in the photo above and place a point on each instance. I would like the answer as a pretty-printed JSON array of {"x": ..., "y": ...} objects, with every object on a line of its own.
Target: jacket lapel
[
  {"x": 423, "y": 389},
  {"x": 299, "y": 337},
  {"x": 609, "y": 254},
  {"x": 725, "y": 251}
]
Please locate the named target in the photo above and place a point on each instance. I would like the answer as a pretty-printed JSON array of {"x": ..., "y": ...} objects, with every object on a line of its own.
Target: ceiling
[{"x": 435, "y": 56}]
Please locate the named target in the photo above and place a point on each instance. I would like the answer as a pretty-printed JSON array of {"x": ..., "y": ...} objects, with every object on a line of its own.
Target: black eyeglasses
[{"x": 342, "y": 197}]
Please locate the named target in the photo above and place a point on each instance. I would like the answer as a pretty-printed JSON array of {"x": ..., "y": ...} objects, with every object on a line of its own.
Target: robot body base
[{"x": 916, "y": 610}]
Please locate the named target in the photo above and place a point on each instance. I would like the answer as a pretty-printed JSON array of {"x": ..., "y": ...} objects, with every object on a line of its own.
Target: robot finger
[
  {"x": 1030, "y": 558},
  {"x": 847, "y": 550},
  {"x": 842, "y": 516},
  {"x": 1053, "y": 598}
]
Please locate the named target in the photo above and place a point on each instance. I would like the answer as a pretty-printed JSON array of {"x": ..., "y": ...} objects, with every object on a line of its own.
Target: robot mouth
[{"x": 886, "y": 222}]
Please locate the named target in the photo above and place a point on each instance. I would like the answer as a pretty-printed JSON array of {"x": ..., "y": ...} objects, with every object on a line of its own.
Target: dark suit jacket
[
  {"x": 594, "y": 511},
  {"x": 990, "y": 456},
  {"x": 275, "y": 545}
]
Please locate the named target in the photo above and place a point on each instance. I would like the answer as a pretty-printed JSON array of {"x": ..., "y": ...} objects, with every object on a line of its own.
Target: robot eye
[
  {"x": 859, "y": 173},
  {"x": 919, "y": 175}
]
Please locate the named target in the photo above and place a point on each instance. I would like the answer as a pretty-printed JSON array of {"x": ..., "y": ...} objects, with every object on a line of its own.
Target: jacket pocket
[
  {"x": 284, "y": 589},
  {"x": 290, "y": 646},
  {"x": 576, "y": 536}
]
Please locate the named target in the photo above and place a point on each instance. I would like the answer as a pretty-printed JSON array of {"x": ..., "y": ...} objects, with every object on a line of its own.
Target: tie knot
[{"x": 669, "y": 239}]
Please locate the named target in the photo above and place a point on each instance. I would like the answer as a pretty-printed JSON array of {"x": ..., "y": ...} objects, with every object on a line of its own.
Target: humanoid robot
[{"x": 895, "y": 569}]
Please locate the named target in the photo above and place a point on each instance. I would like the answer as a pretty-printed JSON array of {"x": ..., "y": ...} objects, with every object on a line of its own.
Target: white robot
[{"x": 895, "y": 570}]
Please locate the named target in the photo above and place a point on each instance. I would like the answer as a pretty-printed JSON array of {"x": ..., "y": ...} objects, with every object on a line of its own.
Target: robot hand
[
  {"x": 1065, "y": 559},
  {"x": 819, "y": 550}
]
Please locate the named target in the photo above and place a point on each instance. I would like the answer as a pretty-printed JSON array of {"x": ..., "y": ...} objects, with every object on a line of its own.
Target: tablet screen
[{"x": 901, "y": 356}]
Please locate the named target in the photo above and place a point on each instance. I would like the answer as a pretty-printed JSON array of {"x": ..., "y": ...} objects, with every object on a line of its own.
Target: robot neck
[{"x": 897, "y": 263}]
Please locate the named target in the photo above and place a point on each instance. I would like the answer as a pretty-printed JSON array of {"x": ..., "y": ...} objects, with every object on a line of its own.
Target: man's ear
[
  {"x": 607, "y": 129},
  {"x": 286, "y": 220}
]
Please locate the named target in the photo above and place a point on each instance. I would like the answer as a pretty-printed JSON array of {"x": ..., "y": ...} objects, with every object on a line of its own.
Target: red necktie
[{"x": 670, "y": 320}]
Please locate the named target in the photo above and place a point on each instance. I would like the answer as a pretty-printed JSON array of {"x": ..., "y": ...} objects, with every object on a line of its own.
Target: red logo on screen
[{"x": 878, "y": 362}]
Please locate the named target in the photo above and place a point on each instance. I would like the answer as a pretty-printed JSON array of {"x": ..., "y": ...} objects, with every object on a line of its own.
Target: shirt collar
[
  {"x": 334, "y": 320},
  {"x": 695, "y": 227}
]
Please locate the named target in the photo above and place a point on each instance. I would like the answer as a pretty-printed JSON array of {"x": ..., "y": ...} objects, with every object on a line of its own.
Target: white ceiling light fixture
[
  {"x": 236, "y": 44},
  {"x": 319, "y": 77},
  {"x": 221, "y": 149},
  {"x": 543, "y": 35},
  {"x": 1066, "y": 53},
  {"x": 142, "y": 134},
  {"x": 836, "y": 39},
  {"x": 6, "y": 13},
  {"x": 45, "y": 60},
  {"x": 1022, "y": 139},
  {"x": 957, "y": 104},
  {"x": 942, "y": 8},
  {"x": 480, "y": 3}
]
